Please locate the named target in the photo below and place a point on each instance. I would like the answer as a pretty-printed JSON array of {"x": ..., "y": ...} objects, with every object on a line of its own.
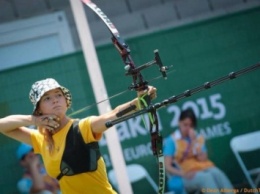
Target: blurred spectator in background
[
  {"x": 34, "y": 180},
  {"x": 187, "y": 162}
]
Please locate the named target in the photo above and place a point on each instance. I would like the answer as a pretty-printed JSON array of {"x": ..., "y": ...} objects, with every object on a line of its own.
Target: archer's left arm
[{"x": 98, "y": 123}]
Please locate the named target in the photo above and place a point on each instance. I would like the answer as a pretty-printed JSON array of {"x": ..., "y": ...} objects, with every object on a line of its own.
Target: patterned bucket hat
[{"x": 39, "y": 88}]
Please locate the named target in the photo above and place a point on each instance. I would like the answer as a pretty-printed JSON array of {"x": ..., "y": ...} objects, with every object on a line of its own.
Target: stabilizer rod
[{"x": 185, "y": 94}]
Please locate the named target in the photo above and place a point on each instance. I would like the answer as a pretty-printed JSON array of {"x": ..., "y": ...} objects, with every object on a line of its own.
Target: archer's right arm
[{"x": 13, "y": 126}]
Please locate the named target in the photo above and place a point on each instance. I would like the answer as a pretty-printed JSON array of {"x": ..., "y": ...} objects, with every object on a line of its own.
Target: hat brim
[{"x": 65, "y": 91}]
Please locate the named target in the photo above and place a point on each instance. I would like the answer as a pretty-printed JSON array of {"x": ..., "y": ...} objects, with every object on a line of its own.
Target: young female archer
[{"x": 64, "y": 159}]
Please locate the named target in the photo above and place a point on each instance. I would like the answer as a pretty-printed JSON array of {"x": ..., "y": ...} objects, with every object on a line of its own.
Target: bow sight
[{"x": 131, "y": 70}]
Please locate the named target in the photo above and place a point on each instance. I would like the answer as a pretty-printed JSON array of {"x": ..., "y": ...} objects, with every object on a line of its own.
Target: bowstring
[{"x": 96, "y": 103}]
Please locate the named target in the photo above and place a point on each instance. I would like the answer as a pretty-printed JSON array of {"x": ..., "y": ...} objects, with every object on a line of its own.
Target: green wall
[{"x": 199, "y": 52}]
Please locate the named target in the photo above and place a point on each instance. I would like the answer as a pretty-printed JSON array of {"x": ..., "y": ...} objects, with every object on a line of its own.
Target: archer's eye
[
  {"x": 46, "y": 99},
  {"x": 59, "y": 95}
]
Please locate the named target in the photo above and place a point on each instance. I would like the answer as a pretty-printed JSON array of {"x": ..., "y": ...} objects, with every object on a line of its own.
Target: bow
[{"x": 138, "y": 84}]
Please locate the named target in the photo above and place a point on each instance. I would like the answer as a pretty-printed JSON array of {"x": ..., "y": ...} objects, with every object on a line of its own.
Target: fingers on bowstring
[
  {"x": 50, "y": 121},
  {"x": 49, "y": 128},
  {"x": 53, "y": 118}
]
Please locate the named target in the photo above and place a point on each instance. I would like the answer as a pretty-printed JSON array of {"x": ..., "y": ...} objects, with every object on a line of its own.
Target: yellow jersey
[{"x": 95, "y": 182}]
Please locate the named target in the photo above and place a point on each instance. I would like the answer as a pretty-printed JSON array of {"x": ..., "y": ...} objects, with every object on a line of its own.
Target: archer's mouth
[{"x": 56, "y": 107}]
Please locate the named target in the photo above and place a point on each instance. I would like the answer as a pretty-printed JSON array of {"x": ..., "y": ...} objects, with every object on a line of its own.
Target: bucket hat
[{"x": 39, "y": 88}]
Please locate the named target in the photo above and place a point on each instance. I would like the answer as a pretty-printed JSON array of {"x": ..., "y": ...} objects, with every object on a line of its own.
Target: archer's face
[{"x": 53, "y": 102}]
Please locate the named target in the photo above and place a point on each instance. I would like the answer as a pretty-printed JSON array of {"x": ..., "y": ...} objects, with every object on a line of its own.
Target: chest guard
[{"x": 78, "y": 156}]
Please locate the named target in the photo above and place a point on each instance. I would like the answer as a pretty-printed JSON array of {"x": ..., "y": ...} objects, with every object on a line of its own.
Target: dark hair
[{"x": 188, "y": 113}]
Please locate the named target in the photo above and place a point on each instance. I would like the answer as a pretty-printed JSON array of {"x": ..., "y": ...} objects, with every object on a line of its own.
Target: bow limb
[
  {"x": 156, "y": 140},
  {"x": 122, "y": 47}
]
